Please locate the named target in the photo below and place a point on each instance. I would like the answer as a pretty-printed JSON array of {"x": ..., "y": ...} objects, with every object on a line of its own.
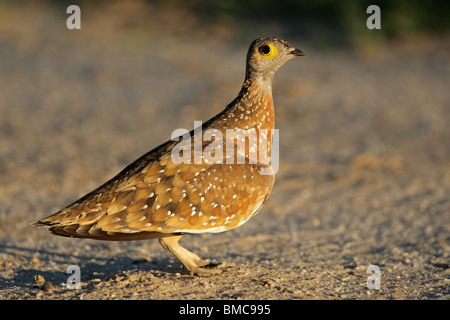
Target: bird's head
[{"x": 266, "y": 55}]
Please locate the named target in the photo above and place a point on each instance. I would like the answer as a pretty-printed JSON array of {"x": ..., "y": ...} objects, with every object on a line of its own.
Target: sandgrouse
[{"x": 210, "y": 190}]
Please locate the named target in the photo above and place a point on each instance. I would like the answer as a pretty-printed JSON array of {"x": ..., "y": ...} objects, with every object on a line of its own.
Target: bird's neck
[
  {"x": 253, "y": 108},
  {"x": 250, "y": 113}
]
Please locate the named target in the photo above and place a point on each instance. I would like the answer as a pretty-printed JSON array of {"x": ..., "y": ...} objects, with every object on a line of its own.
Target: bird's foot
[{"x": 205, "y": 269}]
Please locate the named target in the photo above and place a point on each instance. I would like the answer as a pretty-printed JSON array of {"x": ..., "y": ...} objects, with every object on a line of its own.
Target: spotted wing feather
[{"x": 154, "y": 197}]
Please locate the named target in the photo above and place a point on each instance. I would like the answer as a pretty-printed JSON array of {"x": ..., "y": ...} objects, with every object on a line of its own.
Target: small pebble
[
  {"x": 48, "y": 287},
  {"x": 39, "y": 279}
]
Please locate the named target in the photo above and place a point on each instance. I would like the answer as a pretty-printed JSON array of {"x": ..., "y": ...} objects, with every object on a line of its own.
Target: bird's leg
[{"x": 190, "y": 260}]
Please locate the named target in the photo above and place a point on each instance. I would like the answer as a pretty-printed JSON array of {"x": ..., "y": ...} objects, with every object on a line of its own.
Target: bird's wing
[{"x": 154, "y": 196}]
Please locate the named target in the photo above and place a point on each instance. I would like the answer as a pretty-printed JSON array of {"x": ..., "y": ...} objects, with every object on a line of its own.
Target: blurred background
[
  {"x": 139, "y": 65},
  {"x": 364, "y": 116}
]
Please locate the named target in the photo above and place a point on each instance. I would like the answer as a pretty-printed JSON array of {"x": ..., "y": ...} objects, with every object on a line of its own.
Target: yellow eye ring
[{"x": 268, "y": 50}]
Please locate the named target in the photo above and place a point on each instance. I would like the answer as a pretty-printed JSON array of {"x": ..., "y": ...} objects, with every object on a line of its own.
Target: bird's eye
[
  {"x": 268, "y": 50},
  {"x": 265, "y": 49}
]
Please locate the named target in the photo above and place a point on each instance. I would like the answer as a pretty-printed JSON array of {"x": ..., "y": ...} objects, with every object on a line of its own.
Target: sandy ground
[{"x": 364, "y": 173}]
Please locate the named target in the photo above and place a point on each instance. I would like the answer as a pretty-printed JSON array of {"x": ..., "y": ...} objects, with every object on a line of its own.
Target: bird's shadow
[{"x": 52, "y": 266}]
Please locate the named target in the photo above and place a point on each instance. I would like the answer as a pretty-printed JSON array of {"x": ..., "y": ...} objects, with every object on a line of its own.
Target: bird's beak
[{"x": 297, "y": 52}]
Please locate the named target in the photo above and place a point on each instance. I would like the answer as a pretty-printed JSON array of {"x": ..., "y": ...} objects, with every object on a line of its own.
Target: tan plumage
[{"x": 157, "y": 197}]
